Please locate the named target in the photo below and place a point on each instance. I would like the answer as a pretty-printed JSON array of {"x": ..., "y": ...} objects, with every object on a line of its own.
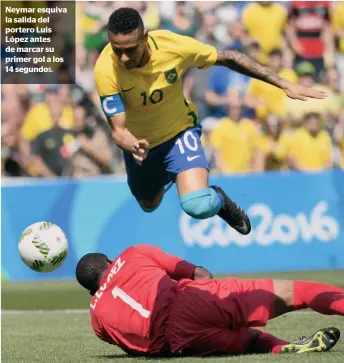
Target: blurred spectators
[
  {"x": 274, "y": 143},
  {"x": 150, "y": 14},
  {"x": 295, "y": 110},
  {"x": 13, "y": 110},
  {"x": 89, "y": 151},
  {"x": 83, "y": 73},
  {"x": 335, "y": 98},
  {"x": 93, "y": 21},
  {"x": 216, "y": 94},
  {"x": 200, "y": 77},
  {"x": 339, "y": 142},
  {"x": 254, "y": 51},
  {"x": 310, "y": 34},
  {"x": 221, "y": 82},
  {"x": 309, "y": 147},
  {"x": 48, "y": 160},
  {"x": 272, "y": 99},
  {"x": 265, "y": 21},
  {"x": 239, "y": 39},
  {"x": 248, "y": 125},
  {"x": 39, "y": 118},
  {"x": 13, "y": 161},
  {"x": 181, "y": 23},
  {"x": 338, "y": 26},
  {"x": 235, "y": 141}
]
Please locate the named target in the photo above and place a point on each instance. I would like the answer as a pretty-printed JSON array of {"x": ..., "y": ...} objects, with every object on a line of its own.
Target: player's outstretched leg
[
  {"x": 298, "y": 295},
  {"x": 200, "y": 201},
  {"x": 232, "y": 213},
  {"x": 321, "y": 341}
]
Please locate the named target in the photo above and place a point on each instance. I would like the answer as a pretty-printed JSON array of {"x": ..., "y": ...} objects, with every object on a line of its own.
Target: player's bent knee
[
  {"x": 201, "y": 204},
  {"x": 283, "y": 290},
  {"x": 198, "y": 208}
]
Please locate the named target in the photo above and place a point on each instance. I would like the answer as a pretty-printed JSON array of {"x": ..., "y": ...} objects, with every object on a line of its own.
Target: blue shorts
[{"x": 164, "y": 162}]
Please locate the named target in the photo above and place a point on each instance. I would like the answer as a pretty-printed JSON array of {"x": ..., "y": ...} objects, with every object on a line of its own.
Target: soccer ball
[{"x": 43, "y": 246}]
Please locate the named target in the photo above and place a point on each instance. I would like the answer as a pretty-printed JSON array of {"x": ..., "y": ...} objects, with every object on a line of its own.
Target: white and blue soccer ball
[{"x": 43, "y": 246}]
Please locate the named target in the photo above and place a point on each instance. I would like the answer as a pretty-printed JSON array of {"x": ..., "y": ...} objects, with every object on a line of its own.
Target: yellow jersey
[
  {"x": 265, "y": 24},
  {"x": 341, "y": 148},
  {"x": 272, "y": 96},
  {"x": 236, "y": 143},
  {"x": 337, "y": 20},
  {"x": 275, "y": 150},
  {"x": 39, "y": 120},
  {"x": 295, "y": 110},
  {"x": 311, "y": 152},
  {"x": 155, "y": 106}
]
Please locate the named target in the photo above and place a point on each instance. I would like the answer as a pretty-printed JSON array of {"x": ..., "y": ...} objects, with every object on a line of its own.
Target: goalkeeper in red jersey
[{"x": 151, "y": 303}]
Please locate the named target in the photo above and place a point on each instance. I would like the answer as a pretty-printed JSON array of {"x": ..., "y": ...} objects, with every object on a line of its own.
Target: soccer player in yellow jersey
[
  {"x": 139, "y": 81},
  {"x": 310, "y": 147}
]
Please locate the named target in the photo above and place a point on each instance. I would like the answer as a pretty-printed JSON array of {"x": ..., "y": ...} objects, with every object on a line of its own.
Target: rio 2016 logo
[{"x": 282, "y": 228}]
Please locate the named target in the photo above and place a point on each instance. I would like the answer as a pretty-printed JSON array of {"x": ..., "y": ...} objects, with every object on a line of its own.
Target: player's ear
[{"x": 145, "y": 34}]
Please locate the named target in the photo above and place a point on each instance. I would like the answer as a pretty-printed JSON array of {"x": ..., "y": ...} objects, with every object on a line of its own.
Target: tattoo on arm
[{"x": 241, "y": 63}]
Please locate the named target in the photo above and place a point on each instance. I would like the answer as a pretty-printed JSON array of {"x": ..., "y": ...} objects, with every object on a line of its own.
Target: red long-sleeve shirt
[{"x": 132, "y": 305}]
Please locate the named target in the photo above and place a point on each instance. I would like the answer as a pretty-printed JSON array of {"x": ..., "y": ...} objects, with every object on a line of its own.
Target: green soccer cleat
[{"x": 321, "y": 341}]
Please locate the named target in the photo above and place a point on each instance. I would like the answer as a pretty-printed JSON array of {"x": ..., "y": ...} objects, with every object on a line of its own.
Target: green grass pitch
[{"x": 41, "y": 330}]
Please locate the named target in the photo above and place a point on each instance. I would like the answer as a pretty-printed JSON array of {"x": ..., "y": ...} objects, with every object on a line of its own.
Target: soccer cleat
[
  {"x": 321, "y": 341},
  {"x": 233, "y": 214}
]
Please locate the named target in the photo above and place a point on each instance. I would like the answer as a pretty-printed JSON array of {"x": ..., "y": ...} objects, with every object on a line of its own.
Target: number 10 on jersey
[{"x": 155, "y": 97}]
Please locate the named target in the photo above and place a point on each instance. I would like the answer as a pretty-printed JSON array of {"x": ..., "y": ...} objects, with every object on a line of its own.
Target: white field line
[
  {"x": 41, "y": 312},
  {"x": 86, "y": 311}
]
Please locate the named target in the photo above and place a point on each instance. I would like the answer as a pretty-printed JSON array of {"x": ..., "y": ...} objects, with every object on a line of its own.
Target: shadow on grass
[{"x": 128, "y": 356}]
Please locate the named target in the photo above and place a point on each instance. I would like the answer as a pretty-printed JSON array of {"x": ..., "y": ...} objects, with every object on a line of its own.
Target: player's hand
[
  {"x": 140, "y": 151},
  {"x": 84, "y": 141},
  {"x": 201, "y": 273},
  {"x": 298, "y": 92}
]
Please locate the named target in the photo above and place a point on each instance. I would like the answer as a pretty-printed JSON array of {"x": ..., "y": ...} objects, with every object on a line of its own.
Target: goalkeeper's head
[{"x": 90, "y": 270}]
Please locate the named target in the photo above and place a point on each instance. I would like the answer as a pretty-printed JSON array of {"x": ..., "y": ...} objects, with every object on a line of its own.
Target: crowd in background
[{"x": 248, "y": 125}]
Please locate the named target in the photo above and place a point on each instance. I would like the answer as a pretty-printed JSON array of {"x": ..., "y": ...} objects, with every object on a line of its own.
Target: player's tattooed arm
[{"x": 241, "y": 63}]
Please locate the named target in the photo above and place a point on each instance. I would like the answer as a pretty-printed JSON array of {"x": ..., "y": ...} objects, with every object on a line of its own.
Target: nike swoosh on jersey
[
  {"x": 190, "y": 158},
  {"x": 129, "y": 89}
]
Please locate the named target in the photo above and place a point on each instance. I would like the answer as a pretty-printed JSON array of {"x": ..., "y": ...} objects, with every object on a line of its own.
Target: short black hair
[
  {"x": 276, "y": 51},
  {"x": 124, "y": 21},
  {"x": 311, "y": 115},
  {"x": 254, "y": 44},
  {"x": 90, "y": 270}
]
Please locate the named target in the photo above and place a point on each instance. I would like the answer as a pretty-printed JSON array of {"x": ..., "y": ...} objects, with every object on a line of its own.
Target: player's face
[
  {"x": 129, "y": 48},
  {"x": 265, "y": 3},
  {"x": 313, "y": 125},
  {"x": 306, "y": 80},
  {"x": 275, "y": 62}
]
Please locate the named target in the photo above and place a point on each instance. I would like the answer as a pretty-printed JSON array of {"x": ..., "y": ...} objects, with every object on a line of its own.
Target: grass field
[{"x": 34, "y": 331}]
